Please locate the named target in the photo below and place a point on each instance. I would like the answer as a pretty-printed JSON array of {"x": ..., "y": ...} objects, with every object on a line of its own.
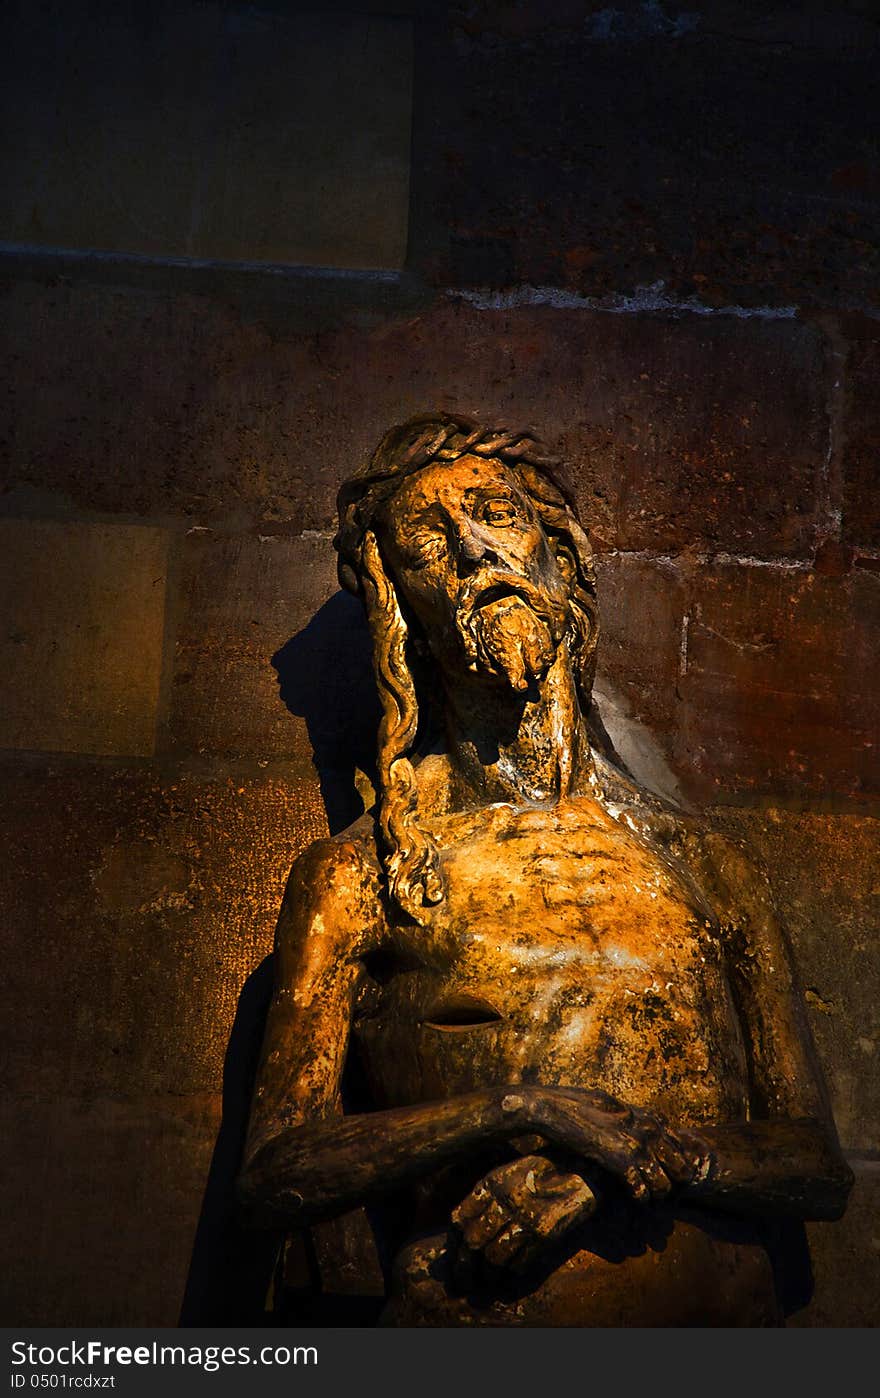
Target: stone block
[
  {"x": 861, "y": 450},
  {"x": 641, "y": 605},
  {"x": 692, "y": 433},
  {"x": 246, "y": 138},
  {"x": 136, "y": 909},
  {"x": 753, "y": 680},
  {"x": 273, "y": 661},
  {"x": 81, "y": 651},
  {"x": 670, "y": 433},
  {"x": 242, "y": 599},
  {"x": 712, "y": 433},
  {"x": 713, "y": 152},
  {"x": 845, "y": 1260},
  {"x": 101, "y": 1202},
  {"x": 780, "y": 686}
]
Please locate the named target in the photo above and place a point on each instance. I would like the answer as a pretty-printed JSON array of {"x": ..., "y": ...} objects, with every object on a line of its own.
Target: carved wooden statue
[{"x": 591, "y": 1085}]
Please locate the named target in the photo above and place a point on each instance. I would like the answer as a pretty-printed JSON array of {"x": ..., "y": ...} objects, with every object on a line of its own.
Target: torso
[{"x": 567, "y": 951}]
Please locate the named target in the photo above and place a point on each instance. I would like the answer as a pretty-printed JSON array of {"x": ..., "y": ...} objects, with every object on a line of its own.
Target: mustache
[{"x": 490, "y": 585}]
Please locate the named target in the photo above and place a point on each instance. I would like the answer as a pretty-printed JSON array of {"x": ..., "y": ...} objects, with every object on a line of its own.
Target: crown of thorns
[{"x": 406, "y": 449}]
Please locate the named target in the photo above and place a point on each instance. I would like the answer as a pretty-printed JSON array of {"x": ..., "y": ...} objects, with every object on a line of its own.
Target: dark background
[{"x": 238, "y": 243}]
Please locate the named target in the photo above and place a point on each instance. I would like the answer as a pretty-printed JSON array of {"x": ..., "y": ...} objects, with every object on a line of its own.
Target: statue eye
[
  {"x": 498, "y": 512},
  {"x": 425, "y": 549}
]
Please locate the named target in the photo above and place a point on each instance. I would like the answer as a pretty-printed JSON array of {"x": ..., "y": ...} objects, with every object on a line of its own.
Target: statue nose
[{"x": 470, "y": 547}]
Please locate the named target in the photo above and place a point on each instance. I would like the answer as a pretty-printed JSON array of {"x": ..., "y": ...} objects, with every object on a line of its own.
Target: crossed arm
[{"x": 305, "y": 1161}]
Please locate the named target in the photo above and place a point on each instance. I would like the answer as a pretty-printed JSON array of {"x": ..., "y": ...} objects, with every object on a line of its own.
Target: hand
[
  {"x": 517, "y": 1210},
  {"x": 643, "y": 1154}
]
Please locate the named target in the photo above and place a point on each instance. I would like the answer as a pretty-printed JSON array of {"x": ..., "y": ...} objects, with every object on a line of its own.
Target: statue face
[{"x": 473, "y": 562}]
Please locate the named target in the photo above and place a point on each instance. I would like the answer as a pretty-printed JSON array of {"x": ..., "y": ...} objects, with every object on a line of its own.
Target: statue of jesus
[{"x": 591, "y": 1082}]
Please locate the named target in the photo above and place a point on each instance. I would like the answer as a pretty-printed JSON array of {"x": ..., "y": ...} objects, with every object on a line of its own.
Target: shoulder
[
  {"x": 334, "y": 888},
  {"x": 346, "y": 855},
  {"x": 725, "y": 871}
]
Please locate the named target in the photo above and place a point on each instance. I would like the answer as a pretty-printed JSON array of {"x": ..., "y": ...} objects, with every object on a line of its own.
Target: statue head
[{"x": 461, "y": 541}]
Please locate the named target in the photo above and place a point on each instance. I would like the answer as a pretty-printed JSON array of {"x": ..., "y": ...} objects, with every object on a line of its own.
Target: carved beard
[{"x": 509, "y": 627}]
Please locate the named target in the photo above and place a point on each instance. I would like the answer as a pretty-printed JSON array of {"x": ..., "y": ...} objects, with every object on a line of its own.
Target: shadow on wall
[
  {"x": 325, "y": 676},
  {"x": 231, "y": 1267}
]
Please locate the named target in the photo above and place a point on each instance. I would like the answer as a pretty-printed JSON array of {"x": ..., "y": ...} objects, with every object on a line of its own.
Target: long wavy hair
[{"x": 410, "y": 857}]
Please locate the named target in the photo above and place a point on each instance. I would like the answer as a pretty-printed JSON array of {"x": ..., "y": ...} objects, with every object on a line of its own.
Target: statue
[{"x": 591, "y": 1089}]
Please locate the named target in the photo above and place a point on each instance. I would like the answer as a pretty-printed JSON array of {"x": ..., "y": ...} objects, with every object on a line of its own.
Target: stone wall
[{"x": 651, "y": 235}]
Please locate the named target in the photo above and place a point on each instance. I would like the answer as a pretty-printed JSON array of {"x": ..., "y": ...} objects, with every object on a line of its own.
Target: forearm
[
  {"x": 773, "y": 1167},
  {"x": 323, "y": 1168}
]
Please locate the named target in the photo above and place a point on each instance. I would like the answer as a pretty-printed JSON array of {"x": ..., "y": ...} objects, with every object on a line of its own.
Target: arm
[
  {"x": 325, "y": 925},
  {"x": 319, "y": 1170},
  {"x": 787, "y": 1158},
  {"x": 781, "y": 1168},
  {"x": 323, "y": 928}
]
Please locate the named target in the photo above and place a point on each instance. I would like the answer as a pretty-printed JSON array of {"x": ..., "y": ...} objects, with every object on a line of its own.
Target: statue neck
[{"x": 528, "y": 748}]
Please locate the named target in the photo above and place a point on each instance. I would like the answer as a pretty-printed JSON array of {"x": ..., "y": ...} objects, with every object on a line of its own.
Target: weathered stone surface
[
  {"x": 846, "y": 1260},
  {"x": 825, "y": 872},
  {"x": 188, "y": 137},
  {"x": 779, "y": 687},
  {"x": 242, "y": 600},
  {"x": 565, "y": 151},
  {"x": 81, "y": 654},
  {"x": 135, "y": 910},
  {"x": 274, "y": 661},
  {"x": 752, "y": 679},
  {"x": 716, "y": 151},
  {"x": 861, "y": 508},
  {"x": 101, "y": 1202},
  {"x": 665, "y": 426},
  {"x": 690, "y": 433},
  {"x": 740, "y": 674},
  {"x": 641, "y": 605},
  {"x": 137, "y": 902}
]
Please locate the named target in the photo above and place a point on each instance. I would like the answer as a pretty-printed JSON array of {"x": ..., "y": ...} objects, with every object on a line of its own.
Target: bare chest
[{"x": 565, "y": 951}]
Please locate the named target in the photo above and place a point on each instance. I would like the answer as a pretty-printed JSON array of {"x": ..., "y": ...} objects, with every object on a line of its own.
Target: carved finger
[
  {"x": 525, "y": 1190},
  {"x": 568, "y": 1189},
  {"x": 647, "y": 1129},
  {"x": 520, "y": 1177},
  {"x": 557, "y": 1219},
  {"x": 540, "y": 1170},
  {"x": 541, "y": 1197},
  {"x": 632, "y": 1178},
  {"x": 576, "y": 1202},
  {"x": 672, "y": 1157},
  {"x": 697, "y": 1152},
  {"x": 473, "y": 1205},
  {"x": 509, "y": 1243},
  {"x": 481, "y": 1230},
  {"x": 658, "y": 1181}
]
